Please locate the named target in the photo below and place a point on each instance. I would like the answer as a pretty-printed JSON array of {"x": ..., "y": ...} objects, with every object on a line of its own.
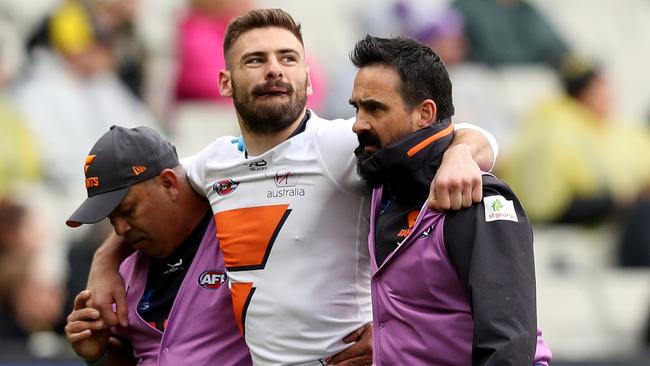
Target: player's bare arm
[
  {"x": 359, "y": 353},
  {"x": 458, "y": 183},
  {"x": 105, "y": 282}
]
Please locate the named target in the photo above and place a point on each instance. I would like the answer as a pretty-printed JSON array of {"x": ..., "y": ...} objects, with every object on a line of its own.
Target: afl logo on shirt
[
  {"x": 225, "y": 187},
  {"x": 212, "y": 279}
]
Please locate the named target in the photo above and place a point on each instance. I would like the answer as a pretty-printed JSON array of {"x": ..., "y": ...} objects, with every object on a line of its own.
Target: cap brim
[{"x": 96, "y": 208}]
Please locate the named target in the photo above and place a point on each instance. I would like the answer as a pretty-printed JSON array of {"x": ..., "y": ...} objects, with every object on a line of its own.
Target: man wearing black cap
[{"x": 133, "y": 177}]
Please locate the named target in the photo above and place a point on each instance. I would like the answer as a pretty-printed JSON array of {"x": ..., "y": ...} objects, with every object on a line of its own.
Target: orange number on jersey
[{"x": 246, "y": 237}]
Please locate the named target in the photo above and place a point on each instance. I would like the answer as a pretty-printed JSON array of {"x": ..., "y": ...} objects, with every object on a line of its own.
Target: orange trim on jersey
[
  {"x": 415, "y": 149},
  {"x": 246, "y": 235},
  {"x": 241, "y": 297}
]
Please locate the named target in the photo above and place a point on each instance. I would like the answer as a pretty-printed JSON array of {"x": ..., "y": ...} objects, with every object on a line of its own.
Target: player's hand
[
  {"x": 458, "y": 182},
  {"x": 106, "y": 283},
  {"x": 86, "y": 331},
  {"x": 358, "y": 354}
]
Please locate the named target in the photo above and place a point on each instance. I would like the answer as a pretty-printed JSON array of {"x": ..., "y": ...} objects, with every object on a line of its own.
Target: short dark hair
[
  {"x": 259, "y": 18},
  {"x": 421, "y": 71},
  {"x": 577, "y": 73}
]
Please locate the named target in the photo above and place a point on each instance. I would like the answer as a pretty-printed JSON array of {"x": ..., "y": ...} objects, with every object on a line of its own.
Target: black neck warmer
[{"x": 406, "y": 167}]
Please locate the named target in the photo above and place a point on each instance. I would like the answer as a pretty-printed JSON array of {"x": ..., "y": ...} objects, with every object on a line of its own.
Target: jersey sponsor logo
[
  {"x": 285, "y": 178},
  {"x": 285, "y": 192},
  {"x": 212, "y": 279},
  {"x": 258, "y": 165},
  {"x": 287, "y": 181},
  {"x": 499, "y": 208},
  {"x": 225, "y": 187}
]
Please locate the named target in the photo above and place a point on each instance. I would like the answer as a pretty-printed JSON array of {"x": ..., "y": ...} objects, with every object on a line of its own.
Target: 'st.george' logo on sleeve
[{"x": 499, "y": 208}]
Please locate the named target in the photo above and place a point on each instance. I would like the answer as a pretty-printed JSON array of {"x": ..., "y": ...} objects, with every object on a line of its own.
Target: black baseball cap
[{"x": 121, "y": 158}]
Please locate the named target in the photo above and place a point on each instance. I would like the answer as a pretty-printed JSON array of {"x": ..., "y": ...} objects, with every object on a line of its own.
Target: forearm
[
  {"x": 109, "y": 256},
  {"x": 105, "y": 282},
  {"x": 479, "y": 143}
]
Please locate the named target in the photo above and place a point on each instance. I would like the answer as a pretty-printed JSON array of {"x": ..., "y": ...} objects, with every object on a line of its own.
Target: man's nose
[
  {"x": 274, "y": 70},
  {"x": 121, "y": 226},
  {"x": 360, "y": 124}
]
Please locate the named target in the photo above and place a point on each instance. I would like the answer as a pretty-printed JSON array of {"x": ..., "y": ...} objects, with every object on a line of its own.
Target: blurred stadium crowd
[{"x": 562, "y": 84}]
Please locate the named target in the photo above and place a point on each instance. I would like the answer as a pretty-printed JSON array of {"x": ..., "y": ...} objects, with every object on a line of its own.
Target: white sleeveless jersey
[{"x": 293, "y": 226}]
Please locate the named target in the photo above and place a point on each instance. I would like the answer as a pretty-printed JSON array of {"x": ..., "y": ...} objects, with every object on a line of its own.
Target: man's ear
[
  {"x": 225, "y": 83},
  {"x": 170, "y": 183},
  {"x": 310, "y": 90},
  {"x": 428, "y": 111}
]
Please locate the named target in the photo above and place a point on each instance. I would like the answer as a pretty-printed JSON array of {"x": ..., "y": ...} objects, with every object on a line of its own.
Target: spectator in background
[
  {"x": 29, "y": 301},
  {"x": 20, "y": 159},
  {"x": 94, "y": 35},
  {"x": 72, "y": 94},
  {"x": 443, "y": 29},
  {"x": 576, "y": 162},
  {"x": 19, "y": 151},
  {"x": 509, "y": 32},
  {"x": 200, "y": 52}
]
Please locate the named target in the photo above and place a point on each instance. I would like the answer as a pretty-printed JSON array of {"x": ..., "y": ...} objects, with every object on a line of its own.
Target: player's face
[
  {"x": 267, "y": 79},
  {"x": 382, "y": 117},
  {"x": 142, "y": 218}
]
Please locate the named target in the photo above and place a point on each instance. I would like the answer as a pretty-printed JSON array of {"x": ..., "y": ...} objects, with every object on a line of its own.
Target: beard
[
  {"x": 266, "y": 117},
  {"x": 372, "y": 178}
]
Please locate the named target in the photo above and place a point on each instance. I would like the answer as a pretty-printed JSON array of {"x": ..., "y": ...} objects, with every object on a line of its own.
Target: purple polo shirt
[{"x": 201, "y": 327}]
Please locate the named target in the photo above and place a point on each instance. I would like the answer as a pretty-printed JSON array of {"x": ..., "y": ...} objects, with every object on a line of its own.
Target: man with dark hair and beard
[
  {"x": 448, "y": 288},
  {"x": 289, "y": 208}
]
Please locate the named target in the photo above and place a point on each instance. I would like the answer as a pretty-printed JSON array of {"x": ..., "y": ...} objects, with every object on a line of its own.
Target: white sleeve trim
[
  {"x": 193, "y": 176},
  {"x": 494, "y": 145}
]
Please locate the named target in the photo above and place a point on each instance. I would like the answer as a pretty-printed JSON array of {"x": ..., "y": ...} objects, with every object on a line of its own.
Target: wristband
[{"x": 100, "y": 360}]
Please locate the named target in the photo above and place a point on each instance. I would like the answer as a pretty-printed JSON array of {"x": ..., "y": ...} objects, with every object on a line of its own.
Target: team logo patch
[
  {"x": 89, "y": 160},
  {"x": 212, "y": 279},
  {"x": 499, "y": 208},
  {"x": 138, "y": 169},
  {"x": 225, "y": 187}
]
